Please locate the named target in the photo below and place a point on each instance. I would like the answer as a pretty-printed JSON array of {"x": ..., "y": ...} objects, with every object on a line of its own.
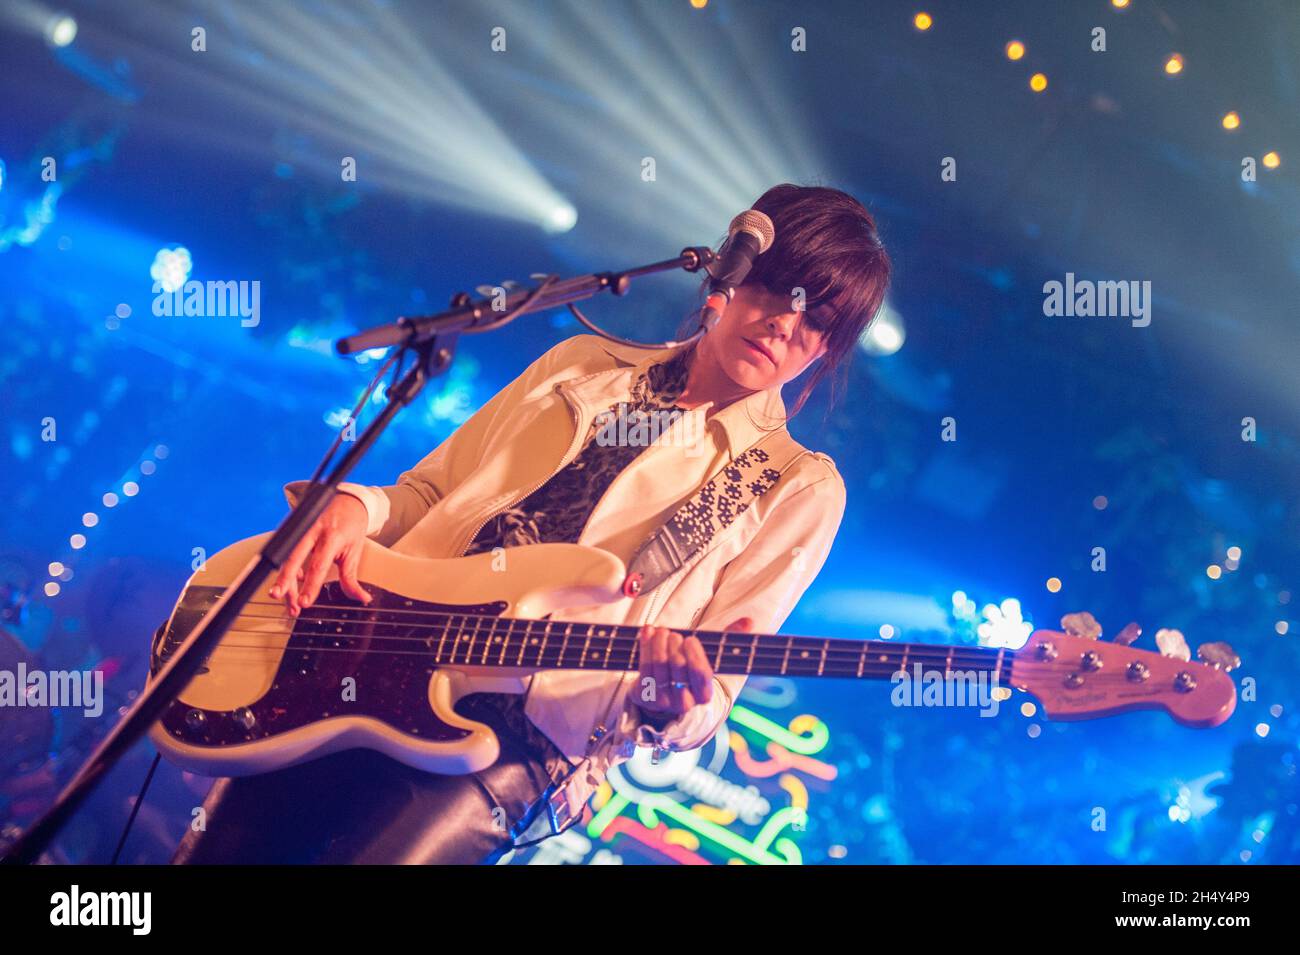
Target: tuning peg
[
  {"x": 1128, "y": 636},
  {"x": 1219, "y": 655},
  {"x": 486, "y": 290},
  {"x": 1173, "y": 644},
  {"x": 1082, "y": 624}
]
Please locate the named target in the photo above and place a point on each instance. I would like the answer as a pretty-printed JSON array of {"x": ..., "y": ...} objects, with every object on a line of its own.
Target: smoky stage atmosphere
[{"x": 1070, "y": 437}]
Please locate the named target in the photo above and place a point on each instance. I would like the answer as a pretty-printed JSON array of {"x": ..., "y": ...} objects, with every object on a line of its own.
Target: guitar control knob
[
  {"x": 1184, "y": 682},
  {"x": 1046, "y": 651},
  {"x": 196, "y": 719},
  {"x": 1137, "y": 672},
  {"x": 1074, "y": 681},
  {"x": 1091, "y": 660},
  {"x": 245, "y": 717}
]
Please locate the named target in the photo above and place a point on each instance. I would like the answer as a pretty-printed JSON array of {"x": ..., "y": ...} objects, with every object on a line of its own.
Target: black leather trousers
[{"x": 360, "y": 806}]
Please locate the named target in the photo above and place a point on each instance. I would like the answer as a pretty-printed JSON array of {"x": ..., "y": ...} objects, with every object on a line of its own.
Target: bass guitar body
[{"x": 280, "y": 690}]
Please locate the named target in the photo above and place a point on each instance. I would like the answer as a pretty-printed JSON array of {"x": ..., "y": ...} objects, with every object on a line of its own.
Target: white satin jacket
[{"x": 757, "y": 567}]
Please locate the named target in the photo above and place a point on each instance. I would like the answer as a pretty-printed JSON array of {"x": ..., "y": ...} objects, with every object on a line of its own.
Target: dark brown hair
[{"x": 827, "y": 244}]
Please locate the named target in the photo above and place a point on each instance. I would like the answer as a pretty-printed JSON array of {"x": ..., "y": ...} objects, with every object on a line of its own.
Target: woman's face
[{"x": 762, "y": 341}]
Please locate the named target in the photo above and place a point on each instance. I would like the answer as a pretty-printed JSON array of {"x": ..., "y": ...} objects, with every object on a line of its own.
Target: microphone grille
[{"x": 756, "y": 224}]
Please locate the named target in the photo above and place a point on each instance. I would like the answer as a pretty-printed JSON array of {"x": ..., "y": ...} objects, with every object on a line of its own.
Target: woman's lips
[{"x": 761, "y": 350}]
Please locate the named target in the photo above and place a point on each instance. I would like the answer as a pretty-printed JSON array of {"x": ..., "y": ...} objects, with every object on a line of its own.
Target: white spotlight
[
  {"x": 171, "y": 268},
  {"x": 561, "y": 218},
  {"x": 885, "y": 335},
  {"x": 61, "y": 30}
]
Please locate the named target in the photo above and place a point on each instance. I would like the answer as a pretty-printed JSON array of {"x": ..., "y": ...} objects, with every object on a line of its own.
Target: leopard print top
[{"x": 557, "y": 511}]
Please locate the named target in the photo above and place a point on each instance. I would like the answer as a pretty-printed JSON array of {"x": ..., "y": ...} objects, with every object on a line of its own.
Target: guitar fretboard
[{"x": 487, "y": 640}]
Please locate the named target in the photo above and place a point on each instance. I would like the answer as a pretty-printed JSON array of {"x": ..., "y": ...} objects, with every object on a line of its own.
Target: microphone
[{"x": 750, "y": 235}]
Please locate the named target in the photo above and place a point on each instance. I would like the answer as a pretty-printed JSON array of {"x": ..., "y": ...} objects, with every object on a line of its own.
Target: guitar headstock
[{"x": 1077, "y": 676}]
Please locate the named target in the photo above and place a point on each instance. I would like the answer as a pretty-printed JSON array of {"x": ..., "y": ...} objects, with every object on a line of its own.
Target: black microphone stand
[{"x": 433, "y": 340}]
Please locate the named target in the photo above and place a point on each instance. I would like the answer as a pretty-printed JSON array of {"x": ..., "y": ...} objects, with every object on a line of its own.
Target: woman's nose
[{"x": 782, "y": 323}]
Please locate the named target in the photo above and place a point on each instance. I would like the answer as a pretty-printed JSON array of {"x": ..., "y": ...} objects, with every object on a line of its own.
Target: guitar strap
[{"x": 712, "y": 509}]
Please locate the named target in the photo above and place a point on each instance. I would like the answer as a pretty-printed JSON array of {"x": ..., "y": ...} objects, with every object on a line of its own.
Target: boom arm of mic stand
[{"x": 468, "y": 316}]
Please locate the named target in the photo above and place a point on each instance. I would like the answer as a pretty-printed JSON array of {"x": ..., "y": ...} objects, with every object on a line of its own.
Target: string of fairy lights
[
  {"x": 1173, "y": 66},
  {"x": 61, "y": 571}
]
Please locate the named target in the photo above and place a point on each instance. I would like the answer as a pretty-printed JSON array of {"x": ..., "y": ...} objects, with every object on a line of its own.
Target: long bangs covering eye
[{"x": 826, "y": 244}]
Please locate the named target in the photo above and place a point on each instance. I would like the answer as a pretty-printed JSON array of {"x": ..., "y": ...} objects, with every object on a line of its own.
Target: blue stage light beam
[
  {"x": 38, "y": 19},
  {"x": 362, "y": 86},
  {"x": 619, "y": 84}
]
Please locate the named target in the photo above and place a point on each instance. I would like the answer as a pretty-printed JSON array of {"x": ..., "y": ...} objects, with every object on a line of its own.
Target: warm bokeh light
[
  {"x": 923, "y": 21},
  {"x": 52, "y": 589},
  {"x": 1119, "y": 4},
  {"x": 1028, "y": 709},
  {"x": 1174, "y": 65},
  {"x": 1234, "y": 553},
  {"x": 77, "y": 541},
  {"x": 1231, "y": 121},
  {"x": 1100, "y": 502},
  {"x": 886, "y": 631},
  {"x": 1038, "y": 82},
  {"x": 1214, "y": 571},
  {"x": 1015, "y": 50},
  {"x": 1272, "y": 160},
  {"x": 1282, "y": 627},
  {"x": 56, "y": 568},
  {"x": 1054, "y": 584},
  {"x": 699, "y": 4}
]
